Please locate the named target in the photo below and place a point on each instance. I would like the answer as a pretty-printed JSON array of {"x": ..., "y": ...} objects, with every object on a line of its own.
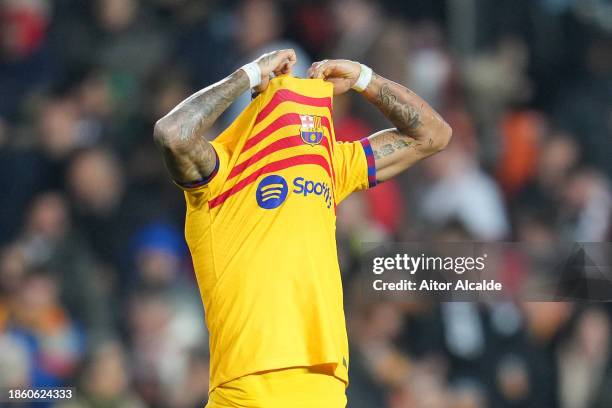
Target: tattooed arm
[
  {"x": 419, "y": 131},
  {"x": 179, "y": 135}
]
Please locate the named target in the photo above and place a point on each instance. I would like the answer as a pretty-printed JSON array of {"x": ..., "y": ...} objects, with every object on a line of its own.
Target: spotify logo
[{"x": 271, "y": 192}]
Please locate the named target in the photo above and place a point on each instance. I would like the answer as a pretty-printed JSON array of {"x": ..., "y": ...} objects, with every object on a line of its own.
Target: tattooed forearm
[
  {"x": 199, "y": 112},
  {"x": 405, "y": 117},
  {"x": 390, "y": 142},
  {"x": 180, "y": 134},
  {"x": 410, "y": 114},
  {"x": 419, "y": 130}
]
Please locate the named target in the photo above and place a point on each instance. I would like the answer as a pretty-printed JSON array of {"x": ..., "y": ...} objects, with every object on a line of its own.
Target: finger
[
  {"x": 284, "y": 56},
  {"x": 311, "y": 70},
  {"x": 284, "y": 60},
  {"x": 283, "y": 67},
  {"x": 288, "y": 54},
  {"x": 319, "y": 69},
  {"x": 328, "y": 70},
  {"x": 292, "y": 63},
  {"x": 288, "y": 66}
]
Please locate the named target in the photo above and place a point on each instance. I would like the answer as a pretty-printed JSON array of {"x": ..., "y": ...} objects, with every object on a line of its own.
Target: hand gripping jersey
[{"x": 261, "y": 232}]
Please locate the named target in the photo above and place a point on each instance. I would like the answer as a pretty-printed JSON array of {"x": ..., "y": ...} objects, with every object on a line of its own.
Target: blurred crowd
[{"x": 96, "y": 283}]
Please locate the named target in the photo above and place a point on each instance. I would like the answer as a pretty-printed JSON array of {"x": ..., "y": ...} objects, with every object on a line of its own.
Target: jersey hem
[{"x": 335, "y": 365}]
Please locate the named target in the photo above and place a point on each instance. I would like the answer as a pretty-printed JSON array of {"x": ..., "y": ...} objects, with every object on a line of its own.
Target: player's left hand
[{"x": 342, "y": 73}]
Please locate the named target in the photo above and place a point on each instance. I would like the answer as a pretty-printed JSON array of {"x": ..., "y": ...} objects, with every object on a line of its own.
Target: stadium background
[{"x": 96, "y": 286}]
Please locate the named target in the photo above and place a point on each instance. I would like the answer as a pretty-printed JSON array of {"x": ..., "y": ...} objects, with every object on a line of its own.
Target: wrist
[
  {"x": 253, "y": 71},
  {"x": 364, "y": 78}
]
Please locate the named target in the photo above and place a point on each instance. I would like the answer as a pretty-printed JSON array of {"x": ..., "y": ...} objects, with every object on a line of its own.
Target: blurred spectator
[
  {"x": 513, "y": 381},
  {"x": 583, "y": 107},
  {"x": 96, "y": 184},
  {"x": 458, "y": 189},
  {"x": 158, "y": 256},
  {"x": 105, "y": 381},
  {"x": 204, "y": 41},
  {"x": 48, "y": 240},
  {"x": 162, "y": 336},
  {"x": 94, "y": 97},
  {"x": 430, "y": 66},
  {"x": 355, "y": 227},
  {"x": 13, "y": 268},
  {"x": 587, "y": 206},
  {"x": 584, "y": 360},
  {"x": 15, "y": 361},
  {"x": 25, "y": 61},
  {"x": 193, "y": 392},
  {"x": 129, "y": 42},
  {"x": 358, "y": 23},
  {"x": 55, "y": 341},
  {"x": 367, "y": 35},
  {"x": 27, "y": 170},
  {"x": 467, "y": 396},
  {"x": 557, "y": 157},
  {"x": 160, "y": 264},
  {"x": 260, "y": 26},
  {"x": 494, "y": 80},
  {"x": 424, "y": 390},
  {"x": 59, "y": 127},
  {"x": 375, "y": 361},
  {"x": 522, "y": 134}
]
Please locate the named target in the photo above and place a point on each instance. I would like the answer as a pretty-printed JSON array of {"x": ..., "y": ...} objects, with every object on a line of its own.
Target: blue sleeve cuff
[{"x": 367, "y": 148}]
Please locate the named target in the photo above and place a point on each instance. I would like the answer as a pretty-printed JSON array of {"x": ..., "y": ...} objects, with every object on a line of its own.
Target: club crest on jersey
[{"x": 311, "y": 130}]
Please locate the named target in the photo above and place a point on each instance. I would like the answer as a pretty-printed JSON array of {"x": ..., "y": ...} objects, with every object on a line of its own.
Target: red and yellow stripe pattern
[{"x": 275, "y": 135}]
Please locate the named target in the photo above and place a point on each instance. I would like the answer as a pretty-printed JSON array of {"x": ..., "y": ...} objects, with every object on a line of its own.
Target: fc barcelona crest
[{"x": 311, "y": 130}]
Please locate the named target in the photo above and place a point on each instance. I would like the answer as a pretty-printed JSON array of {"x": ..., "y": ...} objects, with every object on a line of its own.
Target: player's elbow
[
  {"x": 164, "y": 132},
  {"x": 442, "y": 137}
]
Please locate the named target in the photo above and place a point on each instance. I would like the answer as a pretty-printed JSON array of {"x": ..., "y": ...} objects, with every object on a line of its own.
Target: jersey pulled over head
[{"x": 261, "y": 232}]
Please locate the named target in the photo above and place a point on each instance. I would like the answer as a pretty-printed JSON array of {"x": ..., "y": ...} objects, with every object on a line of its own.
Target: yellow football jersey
[{"x": 261, "y": 232}]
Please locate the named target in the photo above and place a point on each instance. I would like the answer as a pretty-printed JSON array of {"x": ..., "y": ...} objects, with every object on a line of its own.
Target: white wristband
[
  {"x": 253, "y": 72},
  {"x": 365, "y": 76}
]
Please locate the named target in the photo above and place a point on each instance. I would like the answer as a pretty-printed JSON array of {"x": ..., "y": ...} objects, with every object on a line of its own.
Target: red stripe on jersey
[
  {"x": 285, "y": 143},
  {"x": 285, "y": 95},
  {"x": 278, "y": 123},
  {"x": 282, "y": 121},
  {"x": 280, "y": 144},
  {"x": 315, "y": 159}
]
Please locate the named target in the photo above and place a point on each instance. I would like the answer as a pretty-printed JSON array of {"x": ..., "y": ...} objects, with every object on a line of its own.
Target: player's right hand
[{"x": 275, "y": 62}]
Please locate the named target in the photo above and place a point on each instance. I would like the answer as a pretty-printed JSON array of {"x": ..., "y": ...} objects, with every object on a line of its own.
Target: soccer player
[{"x": 260, "y": 223}]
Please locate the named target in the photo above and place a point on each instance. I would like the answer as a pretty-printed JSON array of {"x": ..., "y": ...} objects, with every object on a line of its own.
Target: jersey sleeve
[
  {"x": 199, "y": 191},
  {"x": 354, "y": 166}
]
